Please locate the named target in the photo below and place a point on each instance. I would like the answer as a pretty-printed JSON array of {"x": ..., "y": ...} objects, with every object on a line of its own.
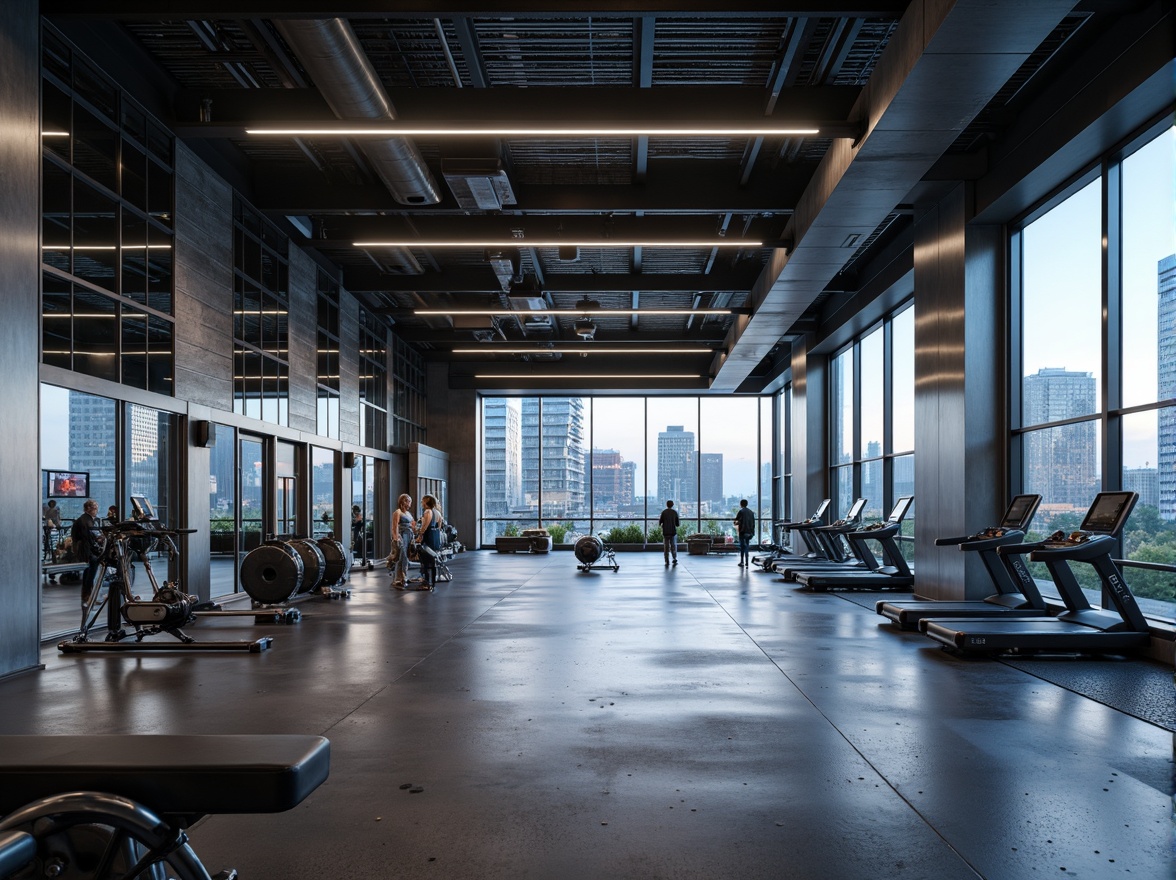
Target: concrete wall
[{"x": 20, "y": 333}]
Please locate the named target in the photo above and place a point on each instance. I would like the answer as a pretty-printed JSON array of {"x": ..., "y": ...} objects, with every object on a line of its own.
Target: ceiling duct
[
  {"x": 526, "y": 295},
  {"x": 335, "y": 60},
  {"x": 478, "y": 184},
  {"x": 507, "y": 265}
]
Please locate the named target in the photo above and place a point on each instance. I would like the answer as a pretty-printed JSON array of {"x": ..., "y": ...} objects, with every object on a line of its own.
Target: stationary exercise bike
[{"x": 130, "y": 619}]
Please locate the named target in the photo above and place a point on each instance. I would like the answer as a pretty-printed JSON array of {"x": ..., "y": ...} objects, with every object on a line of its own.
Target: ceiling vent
[
  {"x": 478, "y": 184},
  {"x": 586, "y": 329},
  {"x": 506, "y": 263}
]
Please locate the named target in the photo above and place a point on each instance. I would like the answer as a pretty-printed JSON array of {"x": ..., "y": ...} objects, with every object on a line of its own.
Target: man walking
[
  {"x": 669, "y": 527},
  {"x": 745, "y": 526}
]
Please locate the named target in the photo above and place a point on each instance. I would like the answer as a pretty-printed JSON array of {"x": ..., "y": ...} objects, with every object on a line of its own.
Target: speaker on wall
[
  {"x": 348, "y": 459},
  {"x": 203, "y": 434}
]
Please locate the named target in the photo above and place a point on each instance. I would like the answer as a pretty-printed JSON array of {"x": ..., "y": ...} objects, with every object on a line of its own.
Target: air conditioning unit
[{"x": 478, "y": 184}]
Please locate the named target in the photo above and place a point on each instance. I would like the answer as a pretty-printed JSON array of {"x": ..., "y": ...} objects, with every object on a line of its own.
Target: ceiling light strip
[
  {"x": 568, "y": 313},
  {"x": 524, "y": 131},
  {"x": 567, "y": 376},
  {"x": 582, "y": 350},
  {"x": 606, "y": 243}
]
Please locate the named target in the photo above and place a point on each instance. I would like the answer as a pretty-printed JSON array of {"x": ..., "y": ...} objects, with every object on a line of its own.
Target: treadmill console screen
[
  {"x": 821, "y": 508},
  {"x": 1020, "y": 512},
  {"x": 856, "y": 510},
  {"x": 900, "y": 509},
  {"x": 1109, "y": 512},
  {"x": 143, "y": 508}
]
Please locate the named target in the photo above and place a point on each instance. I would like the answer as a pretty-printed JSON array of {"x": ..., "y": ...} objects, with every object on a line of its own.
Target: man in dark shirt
[
  {"x": 745, "y": 526},
  {"x": 88, "y": 542},
  {"x": 669, "y": 527}
]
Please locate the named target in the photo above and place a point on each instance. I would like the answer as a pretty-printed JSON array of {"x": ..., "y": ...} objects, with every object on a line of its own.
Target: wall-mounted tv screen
[{"x": 68, "y": 484}]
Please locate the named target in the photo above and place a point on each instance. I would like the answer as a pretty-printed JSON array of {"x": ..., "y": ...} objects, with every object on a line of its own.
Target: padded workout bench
[{"x": 146, "y": 790}]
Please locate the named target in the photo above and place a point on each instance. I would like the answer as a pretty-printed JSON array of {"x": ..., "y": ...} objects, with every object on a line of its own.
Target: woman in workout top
[{"x": 402, "y": 529}]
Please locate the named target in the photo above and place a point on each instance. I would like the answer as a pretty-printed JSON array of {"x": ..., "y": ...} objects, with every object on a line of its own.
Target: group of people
[
  {"x": 744, "y": 527},
  {"x": 425, "y": 532}
]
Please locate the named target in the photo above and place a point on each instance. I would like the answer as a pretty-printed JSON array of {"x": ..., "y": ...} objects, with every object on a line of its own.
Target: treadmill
[
  {"x": 843, "y": 557},
  {"x": 1080, "y": 628},
  {"x": 892, "y": 574},
  {"x": 1016, "y": 591},
  {"x": 804, "y": 528}
]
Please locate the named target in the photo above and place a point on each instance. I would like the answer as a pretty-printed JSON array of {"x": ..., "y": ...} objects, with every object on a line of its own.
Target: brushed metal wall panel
[
  {"x": 303, "y": 352},
  {"x": 20, "y": 333}
]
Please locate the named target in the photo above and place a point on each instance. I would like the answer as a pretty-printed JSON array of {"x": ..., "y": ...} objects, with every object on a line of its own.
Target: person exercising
[{"x": 88, "y": 541}]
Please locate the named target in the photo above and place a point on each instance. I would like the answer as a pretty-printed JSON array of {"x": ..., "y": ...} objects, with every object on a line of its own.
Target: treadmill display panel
[
  {"x": 900, "y": 509},
  {"x": 143, "y": 509},
  {"x": 856, "y": 510},
  {"x": 821, "y": 508},
  {"x": 1020, "y": 512},
  {"x": 1109, "y": 512}
]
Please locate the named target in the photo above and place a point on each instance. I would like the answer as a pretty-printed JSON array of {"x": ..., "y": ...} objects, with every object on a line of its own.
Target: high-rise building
[
  {"x": 559, "y": 455},
  {"x": 501, "y": 456},
  {"x": 675, "y": 466},
  {"x": 1146, "y": 482},
  {"x": 612, "y": 482},
  {"x": 1061, "y": 463},
  {"x": 92, "y": 445},
  {"x": 1166, "y": 368},
  {"x": 710, "y": 483}
]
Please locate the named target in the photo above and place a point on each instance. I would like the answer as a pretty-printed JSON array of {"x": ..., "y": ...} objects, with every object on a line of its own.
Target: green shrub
[
  {"x": 656, "y": 536},
  {"x": 558, "y": 532},
  {"x": 631, "y": 534},
  {"x": 511, "y": 531}
]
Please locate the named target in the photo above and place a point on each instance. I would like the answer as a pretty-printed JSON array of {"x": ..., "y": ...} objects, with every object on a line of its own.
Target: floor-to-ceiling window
[
  {"x": 1093, "y": 287},
  {"x": 580, "y": 465},
  {"x": 223, "y": 508},
  {"x": 872, "y": 424}
]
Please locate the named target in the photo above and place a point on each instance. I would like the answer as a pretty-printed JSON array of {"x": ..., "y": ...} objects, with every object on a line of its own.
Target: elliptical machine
[{"x": 129, "y": 619}]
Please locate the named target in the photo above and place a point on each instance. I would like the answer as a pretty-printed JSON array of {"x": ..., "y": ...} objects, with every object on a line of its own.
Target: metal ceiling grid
[
  {"x": 206, "y": 54},
  {"x": 715, "y": 51},
  {"x": 556, "y": 52},
  {"x": 863, "y": 54},
  {"x": 598, "y": 161},
  {"x": 407, "y": 53},
  {"x": 729, "y": 150}
]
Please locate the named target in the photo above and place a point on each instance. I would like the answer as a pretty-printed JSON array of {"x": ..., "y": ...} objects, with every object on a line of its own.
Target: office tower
[
  {"x": 608, "y": 476},
  {"x": 501, "y": 455},
  {"x": 553, "y": 438},
  {"x": 1061, "y": 463},
  {"x": 1145, "y": 481},
  {"x": 710, "y": 472},
  {"x": 675, "y": 466},
  {"x": 1166, "y": 368},
  {"x": 92, "y": 445}
]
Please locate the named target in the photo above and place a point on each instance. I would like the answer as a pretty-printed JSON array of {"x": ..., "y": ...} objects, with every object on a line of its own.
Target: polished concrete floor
[{"x": 699, "y": 721}]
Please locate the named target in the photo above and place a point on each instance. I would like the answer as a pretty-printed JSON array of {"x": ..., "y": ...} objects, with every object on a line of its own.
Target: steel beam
[{"x": 479, "y": 281}]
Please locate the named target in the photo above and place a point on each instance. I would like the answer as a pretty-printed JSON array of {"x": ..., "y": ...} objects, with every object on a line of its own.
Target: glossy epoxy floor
[{"x": 700, "y": 721}]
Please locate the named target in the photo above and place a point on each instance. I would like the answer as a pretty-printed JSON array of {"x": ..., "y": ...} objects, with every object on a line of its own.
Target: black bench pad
[{"x": 170, "y": 775}]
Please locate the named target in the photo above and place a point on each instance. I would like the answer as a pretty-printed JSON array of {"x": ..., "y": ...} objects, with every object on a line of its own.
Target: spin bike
[{"x": 129, "y": 619}]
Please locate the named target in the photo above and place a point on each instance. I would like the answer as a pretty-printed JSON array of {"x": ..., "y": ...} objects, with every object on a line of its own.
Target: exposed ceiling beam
[
  {"x": 714, "y": 189},
  {"x": 234, "y": 110},
  {"x": 482, "y": 280},
  {"x": 941, "y": 67},
  {"x": 152, "y": 10}
]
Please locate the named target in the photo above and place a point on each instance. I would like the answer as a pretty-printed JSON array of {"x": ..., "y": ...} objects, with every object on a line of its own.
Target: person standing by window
[
  {"x": 51, "y": 525},
  {"x": 745, "y": 526},
  {"x": 669, "y": 526},
  {"x": 88, "y": 542},
  {"x": 358, "y": 546},
  {"x": 402, "y": 528}
]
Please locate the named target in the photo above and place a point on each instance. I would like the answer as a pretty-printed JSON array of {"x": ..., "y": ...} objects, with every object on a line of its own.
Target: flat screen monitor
[
  {"x": 901, "y": 506},
  {"x": 1109, "y": 512},
  {"x": 821, "y": 508},
  {"x": 68, "y": 484},
  {"x": 143, "y": 508},
  {"x": 1020, "y": 512},
  {"x": 856, "y": 510}
]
